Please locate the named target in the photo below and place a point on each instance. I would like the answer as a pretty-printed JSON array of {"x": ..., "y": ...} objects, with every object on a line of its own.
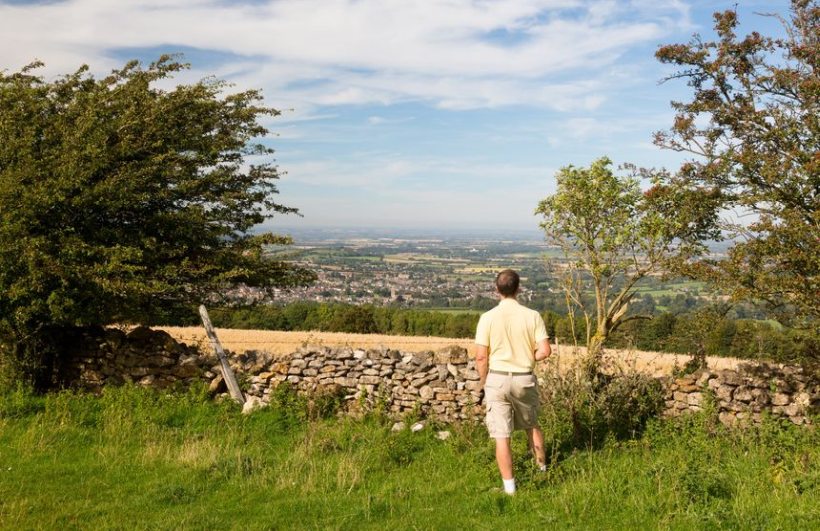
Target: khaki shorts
[{"x": 512, "y": 403}]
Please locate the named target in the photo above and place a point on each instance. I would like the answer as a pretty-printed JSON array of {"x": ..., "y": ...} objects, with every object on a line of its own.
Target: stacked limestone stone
[
  {"x": 143, "y": 356},
  {"x": 746, "y": 393},
  {"x": 444, "y": 384}
]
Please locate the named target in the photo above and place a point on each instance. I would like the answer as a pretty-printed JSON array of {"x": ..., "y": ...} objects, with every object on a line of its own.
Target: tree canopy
[
  {"x": 120, "y": 199},
  {"x": 752, "y": 128},
  {"x": 613, "y": 235}
]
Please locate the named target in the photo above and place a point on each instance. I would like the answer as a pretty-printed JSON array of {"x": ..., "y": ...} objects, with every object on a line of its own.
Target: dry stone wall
[
  {"x": 142, "y": 356},
  {"x": 745, "y": 394},
  {"x": 443, "y": 384}
]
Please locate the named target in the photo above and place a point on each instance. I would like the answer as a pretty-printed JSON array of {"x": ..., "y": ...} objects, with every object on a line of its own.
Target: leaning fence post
[{"x": 227, "y": 372}]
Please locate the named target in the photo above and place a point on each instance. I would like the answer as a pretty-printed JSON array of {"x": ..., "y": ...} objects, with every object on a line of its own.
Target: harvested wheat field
[{"x": 277, "y": 342}]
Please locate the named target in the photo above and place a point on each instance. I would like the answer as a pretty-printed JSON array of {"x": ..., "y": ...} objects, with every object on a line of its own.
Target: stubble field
[{"x": 282, "y": 343}]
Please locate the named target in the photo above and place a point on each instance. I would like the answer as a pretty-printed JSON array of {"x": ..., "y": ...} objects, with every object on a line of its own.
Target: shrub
[
  {"x": 325, "y": 402},
  {"x": 578, "y": 411},
  {"x": 123, "y": 201}
]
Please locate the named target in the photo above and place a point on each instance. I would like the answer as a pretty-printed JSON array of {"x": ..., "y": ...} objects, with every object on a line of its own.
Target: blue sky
[{"x": 407, "y": 113}]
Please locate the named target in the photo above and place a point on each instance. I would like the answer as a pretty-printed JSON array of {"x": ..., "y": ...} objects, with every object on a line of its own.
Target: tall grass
[{"x": 134, "y": 458}]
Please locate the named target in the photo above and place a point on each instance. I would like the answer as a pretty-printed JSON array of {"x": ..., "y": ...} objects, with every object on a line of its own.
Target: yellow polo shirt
[{"x": 512, "y": 333}]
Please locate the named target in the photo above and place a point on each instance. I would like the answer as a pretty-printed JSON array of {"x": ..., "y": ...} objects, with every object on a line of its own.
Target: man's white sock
[{"x": 509, "y": 485}]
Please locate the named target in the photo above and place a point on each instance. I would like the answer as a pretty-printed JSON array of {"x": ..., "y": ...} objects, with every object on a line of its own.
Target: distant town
[
  {"x": 422, "y": 272},
  {"x": 447, "y": 272}
]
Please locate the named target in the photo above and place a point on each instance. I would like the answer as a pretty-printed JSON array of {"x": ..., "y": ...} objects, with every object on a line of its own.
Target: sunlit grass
[{"x": 134, "y": 458}]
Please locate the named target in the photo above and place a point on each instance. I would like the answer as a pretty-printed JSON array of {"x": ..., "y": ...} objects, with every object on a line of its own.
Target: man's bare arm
[
  {"x": 543, "y": 351},
  {"x": 482, "y": 364}
]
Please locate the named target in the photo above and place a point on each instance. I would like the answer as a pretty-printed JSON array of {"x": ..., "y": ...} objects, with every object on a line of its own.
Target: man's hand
[
  {"x": 543, "y": 351},
  {"x": 482, "y": 362}
]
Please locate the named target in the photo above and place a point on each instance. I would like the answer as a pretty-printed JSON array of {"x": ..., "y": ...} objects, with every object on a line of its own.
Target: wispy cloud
[
  {"x": 381, "y": 120},
  {"x": 456, "y": 54},
  {"x": 367, "y": 87}
]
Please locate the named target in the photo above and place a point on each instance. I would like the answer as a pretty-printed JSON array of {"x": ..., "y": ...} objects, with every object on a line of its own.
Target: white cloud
[{"x": 455, "y": 54}]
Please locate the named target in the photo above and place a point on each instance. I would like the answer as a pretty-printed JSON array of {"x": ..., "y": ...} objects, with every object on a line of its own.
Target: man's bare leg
[
  {"x": 503, "y": 456},
  {"x": 536, "y": 439}
]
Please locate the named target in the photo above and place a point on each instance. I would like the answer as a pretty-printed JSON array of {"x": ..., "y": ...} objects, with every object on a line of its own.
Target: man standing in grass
[{"x": 509, "y": 339}]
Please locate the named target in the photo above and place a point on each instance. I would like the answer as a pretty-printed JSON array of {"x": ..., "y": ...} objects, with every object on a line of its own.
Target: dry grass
[
  {"x": 655, "y": 363},
  {"x": 280, "y": 343}
]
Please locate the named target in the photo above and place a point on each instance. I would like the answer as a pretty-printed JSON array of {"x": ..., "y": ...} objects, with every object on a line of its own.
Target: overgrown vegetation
[
  {"x": 585, "y": 412},
  {"x": 144, "y": 459},
  {"x": 122, "y": 201}
]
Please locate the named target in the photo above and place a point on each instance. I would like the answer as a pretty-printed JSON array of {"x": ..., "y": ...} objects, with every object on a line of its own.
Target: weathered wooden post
[{"x": 227, "y": 372}]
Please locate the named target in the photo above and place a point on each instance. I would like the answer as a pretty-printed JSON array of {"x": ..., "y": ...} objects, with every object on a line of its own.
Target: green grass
[
  {"x": 671, "y": 288},
  {"x": 138, "y": 459}
]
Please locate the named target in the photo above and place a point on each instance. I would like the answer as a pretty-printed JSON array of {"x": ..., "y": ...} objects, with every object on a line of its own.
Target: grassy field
[
  {"x": 136, "y": 459},
  {"x": 280, "y": 343},
  {"x": 671, "y": 288}
]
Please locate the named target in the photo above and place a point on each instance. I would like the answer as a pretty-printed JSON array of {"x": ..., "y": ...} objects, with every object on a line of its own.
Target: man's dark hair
[{"x": 507, "y": 282}]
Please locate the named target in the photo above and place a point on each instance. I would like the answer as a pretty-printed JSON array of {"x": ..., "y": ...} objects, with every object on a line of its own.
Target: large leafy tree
[
  {"x": 613, "y": 234},
  {"x": 752, "y": 129},
  {"x": 121, "y": 200}
]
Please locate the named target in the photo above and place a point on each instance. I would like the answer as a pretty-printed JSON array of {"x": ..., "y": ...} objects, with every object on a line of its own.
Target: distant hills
[{"x": 342, "y": 234}]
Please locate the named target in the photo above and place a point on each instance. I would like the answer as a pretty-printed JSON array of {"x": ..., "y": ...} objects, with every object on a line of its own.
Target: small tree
[
  {"x": 753, "y": 129},
  {"x": 700, "y": 333},
  {"x": 612, "y": 235},
  {"x": 120, "y": 201}
]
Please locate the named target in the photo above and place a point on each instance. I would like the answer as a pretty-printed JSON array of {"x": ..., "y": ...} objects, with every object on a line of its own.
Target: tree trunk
[{"x": 595, "y": 351}]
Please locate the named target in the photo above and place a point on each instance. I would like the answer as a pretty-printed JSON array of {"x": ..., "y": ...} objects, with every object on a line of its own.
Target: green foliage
[
  {"x": 693, "y": 333},
  {"x": 295, "y": 409},
  {"x": 123, "y": 201},
  {"x": 291, "y": 406},
  {"x": 593, "y": 215},
  {"x": 18, "y": 402},
  {"x": 348, "y": 318},
  {"x": 613, "y": 235},
  {"x": 580, "y": 412},
  {"x": 752, "y": 127},
  {"x": 358, "y": 319},
  {"x": 403, "y": 448},
  {"x": 706, "y": 331}
]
